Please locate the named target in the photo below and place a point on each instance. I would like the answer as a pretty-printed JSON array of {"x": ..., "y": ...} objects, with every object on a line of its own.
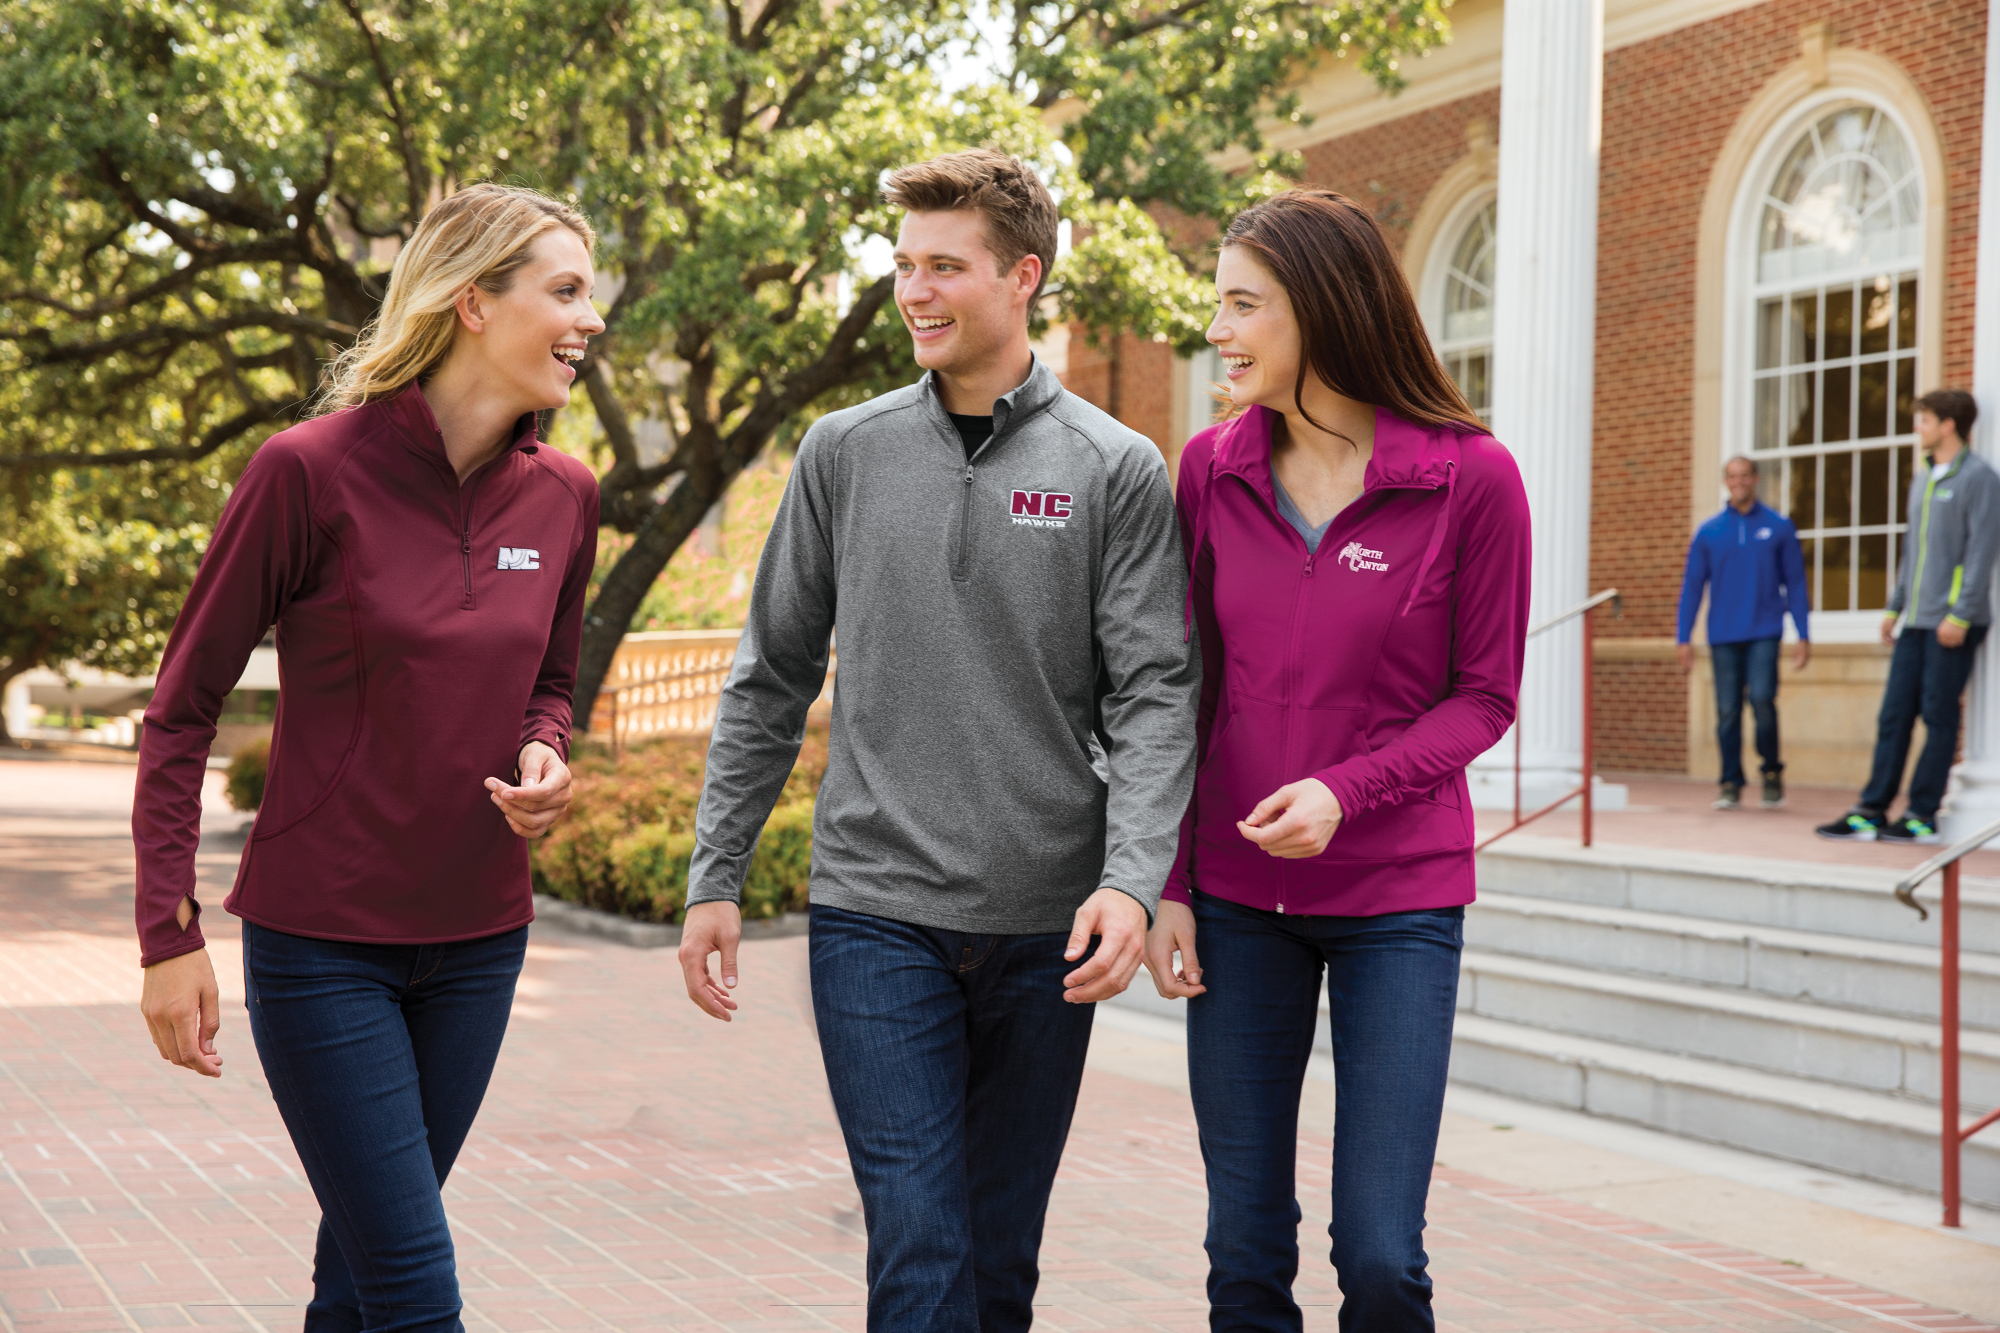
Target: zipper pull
[
  {"x": 1309, "y": 570},
  {"x": 1281, "y": 909},
  {"x": 968, "y": 474}
]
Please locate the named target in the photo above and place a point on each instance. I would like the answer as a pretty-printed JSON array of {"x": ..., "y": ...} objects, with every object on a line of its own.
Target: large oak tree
[{"x": 200, "y": 199}]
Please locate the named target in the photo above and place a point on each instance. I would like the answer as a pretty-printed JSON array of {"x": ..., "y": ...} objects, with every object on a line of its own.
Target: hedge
[{"x": 625, "y": 843}]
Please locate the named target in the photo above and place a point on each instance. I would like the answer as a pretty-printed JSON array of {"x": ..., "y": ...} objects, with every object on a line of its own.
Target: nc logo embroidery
[
  {"x": 520, "y": 557},
  {"x": 1763, "y": 534},
  {"x": 1041, "y": 509},
  {"x": 1359, "y": 558}
]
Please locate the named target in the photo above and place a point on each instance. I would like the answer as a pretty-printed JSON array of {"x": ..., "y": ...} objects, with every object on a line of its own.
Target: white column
[
  {"x": 1544, "y": 349},
  {"x": 1975, "y": 797}
]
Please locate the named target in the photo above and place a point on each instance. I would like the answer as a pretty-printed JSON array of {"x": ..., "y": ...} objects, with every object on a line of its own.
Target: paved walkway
[
  {"x": 640, "y": 1167},
  {"x": 1676, "y": 813}
]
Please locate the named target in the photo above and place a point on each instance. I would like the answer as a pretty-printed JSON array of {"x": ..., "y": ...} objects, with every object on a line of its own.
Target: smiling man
[{"x": 1012, "y": 748}]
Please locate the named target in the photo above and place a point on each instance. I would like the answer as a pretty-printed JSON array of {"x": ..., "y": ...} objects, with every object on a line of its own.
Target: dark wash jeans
[
  {"x": 378, "y": 1056},
  {"x": 1747, "y": 668},
  {"x": 1392, "y": 985},
  {"x": 1925, "y": 680},
  {"x": 954, "y": 1063}
]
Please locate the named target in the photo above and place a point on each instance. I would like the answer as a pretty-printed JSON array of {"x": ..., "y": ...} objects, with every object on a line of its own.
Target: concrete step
[
  {"x": 1844, "y": 971},
  {"x": 1790, "y": 895},
  {"x": 1858, "y": 1133},
  {"x": 1872, "y": 1052}
]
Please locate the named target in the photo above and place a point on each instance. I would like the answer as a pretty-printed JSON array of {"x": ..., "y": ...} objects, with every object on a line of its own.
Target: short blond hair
[
  {"x": 478, "y": 237},
  {"x": 1021, "y": 217}
]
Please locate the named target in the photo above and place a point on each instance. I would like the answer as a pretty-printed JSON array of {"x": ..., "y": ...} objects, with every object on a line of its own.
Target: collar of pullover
[
  {"x": 1406, "y": 454},
  {"x": 417, "y": 428},
  {"x": 1030, "y": 396}
]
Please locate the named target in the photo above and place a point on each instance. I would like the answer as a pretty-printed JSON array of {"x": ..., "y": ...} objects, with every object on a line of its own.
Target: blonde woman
[{"x": 425, "y": 563}]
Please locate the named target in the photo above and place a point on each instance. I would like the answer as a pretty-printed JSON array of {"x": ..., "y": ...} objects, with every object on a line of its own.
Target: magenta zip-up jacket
[
  {"x": 426, "y": 632},
  {"x": 1381, "y": 663}
]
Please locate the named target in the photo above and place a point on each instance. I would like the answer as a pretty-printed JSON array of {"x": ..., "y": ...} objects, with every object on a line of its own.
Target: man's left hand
[
  {"x": 1801, "y": 654},
  {"x": 542, "y": 794},
  {"x": 1296, "y": 821},
  {"x": 1950, "y": 633},
  {"x": 1119, "y": 923}
]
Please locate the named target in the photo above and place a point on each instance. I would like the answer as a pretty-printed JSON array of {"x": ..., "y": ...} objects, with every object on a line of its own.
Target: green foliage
[
  {"x": 625, "y": 842},
  {"x": 199, "y": 201},
  {"x": 93, "y": 574},
  {"x": 244, "y": 784}
]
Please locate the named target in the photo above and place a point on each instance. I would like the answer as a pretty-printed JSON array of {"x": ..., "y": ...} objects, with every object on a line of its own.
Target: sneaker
[
  {"x": 1851, "y": 828},
  {"x": 1731, "y": 797},
  {"x": 1774, "y": 791},
  {"x": 1910, "y": 829}
]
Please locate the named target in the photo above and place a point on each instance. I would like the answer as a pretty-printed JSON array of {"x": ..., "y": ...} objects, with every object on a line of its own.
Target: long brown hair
[{"x": 1359, "y": 329}]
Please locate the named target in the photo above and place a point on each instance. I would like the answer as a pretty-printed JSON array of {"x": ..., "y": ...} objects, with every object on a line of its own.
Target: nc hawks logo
[
  {"x": 1041, "y": 509},
  {"x": 1359, "y": 558}
]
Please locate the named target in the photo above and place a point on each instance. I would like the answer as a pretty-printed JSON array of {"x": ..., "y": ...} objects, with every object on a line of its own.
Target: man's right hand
[
  {"x": 1685, "y": 652},
  {"x": 711, "y": 928},
  {"x": 184, "y": 1012},
  {"x": 1889, "y": 628}
]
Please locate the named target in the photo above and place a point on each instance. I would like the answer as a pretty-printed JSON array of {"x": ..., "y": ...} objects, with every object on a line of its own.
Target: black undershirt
[{"x": 972, "y": 431}]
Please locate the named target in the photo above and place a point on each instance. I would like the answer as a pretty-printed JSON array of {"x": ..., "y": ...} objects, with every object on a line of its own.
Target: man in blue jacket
[{"x": 1748, "y": 557}]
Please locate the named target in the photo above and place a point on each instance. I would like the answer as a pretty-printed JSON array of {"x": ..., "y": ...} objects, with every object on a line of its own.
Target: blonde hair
[{"x": 478, "y": 237}]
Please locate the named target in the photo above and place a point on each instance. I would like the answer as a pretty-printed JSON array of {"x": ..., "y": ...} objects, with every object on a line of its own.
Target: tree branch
[
  {"x": 67, "y": 353},
  {"x": 416, "y": 180},
  {"x": 237, "y": 426}
]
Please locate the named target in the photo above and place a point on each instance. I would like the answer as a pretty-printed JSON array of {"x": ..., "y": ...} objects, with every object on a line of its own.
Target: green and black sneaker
[
  {"x": 1852, "y": 828},
  {"x": 1910, "y": 829}
]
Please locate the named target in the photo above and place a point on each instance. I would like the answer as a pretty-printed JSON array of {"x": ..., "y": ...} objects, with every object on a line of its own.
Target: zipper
[
  {"x": 1295, "y": 687},
  {"x": 1923, "y": 546},
  {"x": 465, "y": 540},
  {"x": 964, "y": 525}
]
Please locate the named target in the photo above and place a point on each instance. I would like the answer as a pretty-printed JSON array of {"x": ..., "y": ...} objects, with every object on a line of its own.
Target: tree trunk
[{"x": 626, "y": 586}]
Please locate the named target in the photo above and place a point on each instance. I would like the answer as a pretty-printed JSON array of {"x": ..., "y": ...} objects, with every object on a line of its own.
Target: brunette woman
[
  {"x": 1360, "y": 584},
  {"x": 424, "y": 559}
]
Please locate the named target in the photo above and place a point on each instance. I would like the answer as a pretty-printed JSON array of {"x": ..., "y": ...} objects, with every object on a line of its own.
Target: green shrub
[
  {"x": 245, "y": 782},
  {"x": 625, "y": 842}
]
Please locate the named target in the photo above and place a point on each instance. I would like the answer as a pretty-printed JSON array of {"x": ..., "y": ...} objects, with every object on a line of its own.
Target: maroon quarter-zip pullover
[{"x": 426, "y": 631}]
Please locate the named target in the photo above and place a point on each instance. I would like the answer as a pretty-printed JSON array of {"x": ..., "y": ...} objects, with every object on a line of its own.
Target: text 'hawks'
[{"x": 1041, "y": 509}]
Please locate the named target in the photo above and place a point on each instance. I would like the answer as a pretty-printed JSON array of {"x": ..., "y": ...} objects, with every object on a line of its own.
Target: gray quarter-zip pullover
[
  {"x": 1949, "y": 547},
  {"x": 993, "y": 613}
]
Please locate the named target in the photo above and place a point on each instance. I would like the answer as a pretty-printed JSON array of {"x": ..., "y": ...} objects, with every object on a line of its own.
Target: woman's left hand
[
  {"x": 543, "y": 792},
  {"x": 1295, "y": 821}
]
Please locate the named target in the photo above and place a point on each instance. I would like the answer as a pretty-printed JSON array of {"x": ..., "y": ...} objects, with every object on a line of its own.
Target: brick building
[{"x": 1786, "y": 232}]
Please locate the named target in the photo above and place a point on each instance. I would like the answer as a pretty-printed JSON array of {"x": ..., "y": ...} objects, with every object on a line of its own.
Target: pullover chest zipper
[
  {"x": 466, "y": 603},
  {"x": 959, "y": 559}
]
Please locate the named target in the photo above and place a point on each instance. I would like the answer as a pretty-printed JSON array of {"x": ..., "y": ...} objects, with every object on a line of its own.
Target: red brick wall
[
  {"x": 1668, "y": 106},
  {"x": 1144, "y": 382},
  {"x": 1390, "y": 167},
  {"x": 1669, "y": 103}
]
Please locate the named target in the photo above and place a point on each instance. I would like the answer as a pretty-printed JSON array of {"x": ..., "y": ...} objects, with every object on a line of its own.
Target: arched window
[
  {"x": 1834, "y": 278},
  {"x": 1462, "y": 317}
]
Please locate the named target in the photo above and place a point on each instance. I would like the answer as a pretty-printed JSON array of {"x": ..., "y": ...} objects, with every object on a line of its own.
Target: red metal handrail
[
  {"x": 1951, "y": 1138},
  {"x": 1582, "y": 610}
]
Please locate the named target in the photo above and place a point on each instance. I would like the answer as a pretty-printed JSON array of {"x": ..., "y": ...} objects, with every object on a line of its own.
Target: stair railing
[
  {"x": 1583, "y": 610},
  {"x": 1951, "y": 1137}
]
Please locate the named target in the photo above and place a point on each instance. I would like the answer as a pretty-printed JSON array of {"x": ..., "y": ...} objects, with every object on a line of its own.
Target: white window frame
[
  {"x": 1742, "y": 291},
  {"x": 1437, "y": 271}
]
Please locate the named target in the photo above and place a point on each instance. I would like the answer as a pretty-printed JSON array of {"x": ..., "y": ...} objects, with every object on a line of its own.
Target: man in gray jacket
[
  {"x": 1943, "y": 584},
  {"x": 1012, "y": 750}
]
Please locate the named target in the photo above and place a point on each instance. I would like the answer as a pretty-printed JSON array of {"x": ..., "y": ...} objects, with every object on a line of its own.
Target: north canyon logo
[{"x": 1359, "y": 558}]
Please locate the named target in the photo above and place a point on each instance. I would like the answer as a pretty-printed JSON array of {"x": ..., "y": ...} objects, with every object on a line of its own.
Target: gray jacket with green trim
[
  {"x": 1948, "y": 550},
  {"x": 994, "y": 614}
]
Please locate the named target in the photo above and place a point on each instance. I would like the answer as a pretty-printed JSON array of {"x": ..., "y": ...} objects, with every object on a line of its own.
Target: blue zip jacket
[{"x": 1754, "y": 570}]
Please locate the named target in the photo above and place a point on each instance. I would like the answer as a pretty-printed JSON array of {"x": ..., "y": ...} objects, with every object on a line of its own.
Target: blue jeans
[
  {"x": 1925, "y": 680},
  {"x": 378, "y": 1056},
  {"x": 1751, "y": 668},
  {"x": 954, "y": 1063},
  {"x": 1392, "y": 984}
]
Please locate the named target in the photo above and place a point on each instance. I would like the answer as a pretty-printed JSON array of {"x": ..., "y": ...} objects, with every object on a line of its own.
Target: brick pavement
[{"x": 640, "y": 1167}]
